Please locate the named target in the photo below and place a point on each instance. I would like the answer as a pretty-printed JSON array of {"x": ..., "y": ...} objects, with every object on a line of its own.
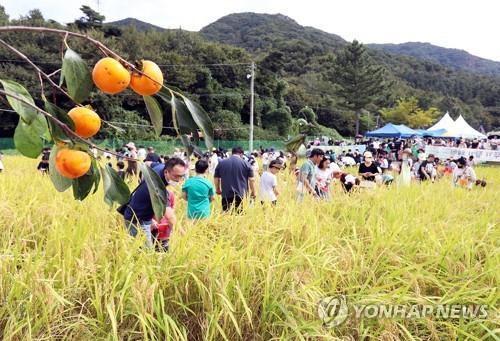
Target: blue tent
[{"x": 393, "y": 130}]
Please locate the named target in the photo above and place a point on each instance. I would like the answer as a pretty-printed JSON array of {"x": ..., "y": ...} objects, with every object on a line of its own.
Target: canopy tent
[
  {"x": 461, "y": 128},
  {"x": 446, "y": 122},
  {"x": 432, "y": 133},
  {"x": 393, "y": 130}
]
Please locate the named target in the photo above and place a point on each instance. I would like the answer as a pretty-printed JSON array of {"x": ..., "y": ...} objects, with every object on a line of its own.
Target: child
[
  {"x": 464, "y": 175},
  {"x": 121, "y": 169},
  {"x": 347, "y": 180},
  {"x": 161, "y": 230},
  {"x": 198, "y": 192},
  {"x": 268, "y": 182}
]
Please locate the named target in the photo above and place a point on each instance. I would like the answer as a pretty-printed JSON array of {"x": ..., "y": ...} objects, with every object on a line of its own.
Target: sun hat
[{"x": 407, "y": 151}]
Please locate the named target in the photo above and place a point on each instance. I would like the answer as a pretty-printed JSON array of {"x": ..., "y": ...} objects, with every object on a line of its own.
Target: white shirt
[
  {"x": 214, "y": 161},
  {"x": 141, "y": 154},
  {"x": 267, "y": 183},
  {"x": 466, "y": 172}
]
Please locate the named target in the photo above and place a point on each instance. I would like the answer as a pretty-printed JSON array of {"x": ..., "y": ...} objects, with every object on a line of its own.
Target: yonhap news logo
[{"x": 334, "y": 311}]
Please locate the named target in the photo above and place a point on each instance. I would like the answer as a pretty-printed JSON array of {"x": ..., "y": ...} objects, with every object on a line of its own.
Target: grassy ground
[{"x": 69, "y": 271}]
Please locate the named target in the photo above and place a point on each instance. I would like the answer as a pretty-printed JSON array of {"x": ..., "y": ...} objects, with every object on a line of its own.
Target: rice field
[{"x": 69, "y": 271}]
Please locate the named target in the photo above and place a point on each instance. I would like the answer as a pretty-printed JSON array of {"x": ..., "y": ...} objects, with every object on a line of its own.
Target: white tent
[
  {"x": 446, "y": 122},
  {"x": 461, "y": 128}
]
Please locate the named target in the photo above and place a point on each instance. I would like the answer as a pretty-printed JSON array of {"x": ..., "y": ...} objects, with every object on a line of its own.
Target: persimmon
[
  {"x": 87, "y": 122},
  {"x": 72, "y": 164},
  {"x": 150, "y": 85},
  {"x": 110, "y": 76}
]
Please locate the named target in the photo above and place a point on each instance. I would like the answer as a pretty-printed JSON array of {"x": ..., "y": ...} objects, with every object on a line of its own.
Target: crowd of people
[
  {"x": 236, "y": 175},
  {"x": 488, "y": 144}
]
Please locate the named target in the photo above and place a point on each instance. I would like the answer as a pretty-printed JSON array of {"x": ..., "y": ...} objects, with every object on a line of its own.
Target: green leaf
[
  {"x": 27, "y": 113},
  {"x": 157, "y": 191},
  {"x": 77, "y": 76},
  {"x": 295, "y": 142},
  {"x": 155, "y": 113},
  {"x": 28, "y": 137},
  {"x": 57, "y": 132},
  {"x": 202, "y": 120},
  {"x": 115, "y": 189},
  {"x": 60, "y": 182},
  {"x": 190, "y": 147},
  {"x": 82, "y": 186},
  {"x": 183, "y": 121}
]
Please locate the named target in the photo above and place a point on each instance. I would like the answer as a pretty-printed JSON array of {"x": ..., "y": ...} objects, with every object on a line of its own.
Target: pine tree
[
  {"x": 360, "y": 82},
  {"x": 92, "y": 19}
]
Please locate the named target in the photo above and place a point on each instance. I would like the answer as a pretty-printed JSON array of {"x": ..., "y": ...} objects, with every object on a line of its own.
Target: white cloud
[{"x": 467, "y": 25}]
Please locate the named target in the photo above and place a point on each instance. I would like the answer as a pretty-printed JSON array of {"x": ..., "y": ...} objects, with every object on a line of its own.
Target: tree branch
[
  {"x": 62, "y": 125},
  {"x": 40, "y": 71},
  {"x": 97, "y": 43}
]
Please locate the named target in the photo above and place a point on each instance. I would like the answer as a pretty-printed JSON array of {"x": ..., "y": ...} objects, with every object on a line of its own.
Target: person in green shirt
[
  {"x": 307, "y": 174},
  {"x": 198, "y": 192}
]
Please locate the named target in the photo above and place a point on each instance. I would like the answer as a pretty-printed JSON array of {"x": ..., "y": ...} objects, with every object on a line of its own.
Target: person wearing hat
[
  {"x": 268, "y": 183},
  {"x": 131, "y": 159},
  {"x": 368, "y": 169}
]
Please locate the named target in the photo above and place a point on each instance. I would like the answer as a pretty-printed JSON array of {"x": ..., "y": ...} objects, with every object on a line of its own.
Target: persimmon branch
[
  {"x": 40, "y": 71},
  {"x": 96, "y": 42},
  {"x": 67, "y": 130}
]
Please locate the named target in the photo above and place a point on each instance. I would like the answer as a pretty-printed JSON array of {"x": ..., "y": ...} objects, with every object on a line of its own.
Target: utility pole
[{"x": 252, "y": 78}]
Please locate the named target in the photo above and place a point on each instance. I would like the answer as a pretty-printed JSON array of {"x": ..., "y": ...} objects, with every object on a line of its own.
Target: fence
[{"x": 162, "y": 147}]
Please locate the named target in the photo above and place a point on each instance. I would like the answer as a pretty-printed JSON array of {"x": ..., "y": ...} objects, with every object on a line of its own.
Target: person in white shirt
[
  {"x": 141, "y": 153},
  {"x": 265, "y": 160},
  {"x": 323, "y": 178},
  {"x": 268, "y": 183},
  {"x": 213, "y": 162},
  {"x": 464, "y": 175}
]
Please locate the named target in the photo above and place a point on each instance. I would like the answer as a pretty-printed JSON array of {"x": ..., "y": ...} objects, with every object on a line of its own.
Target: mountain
[
  {"x": 303, "y": 57},
  {"x": 138, "y": 24},
  {"x": 451, "y": 58},
  {"x": 259, "y": 32}
]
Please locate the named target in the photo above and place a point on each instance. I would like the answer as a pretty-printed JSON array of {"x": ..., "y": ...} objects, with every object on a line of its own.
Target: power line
[{"x": 162, "y": 65}]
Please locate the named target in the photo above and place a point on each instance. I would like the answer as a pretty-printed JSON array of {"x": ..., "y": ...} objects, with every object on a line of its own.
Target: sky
[{"x": 463, "y": 24}]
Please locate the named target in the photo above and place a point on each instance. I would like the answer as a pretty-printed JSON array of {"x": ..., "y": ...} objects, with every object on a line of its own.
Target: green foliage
[
  {"x": 279, "y": 120},
  {"x": 155, "y": 113},
  {"x": 295, "y": 65},
  {"x": 83, "y": 185},
  {"x": 91, "y": 19},
  {"x": 452, "y": 58},
  {"x": 156, "y": 189},
  {"x": 408, "y": 112},
  {"x": 115, "y": 189},
  {"x": 76, "y": 75},
  {"x": 360, "y": 82},
  {"x": 228, "y": 126}
]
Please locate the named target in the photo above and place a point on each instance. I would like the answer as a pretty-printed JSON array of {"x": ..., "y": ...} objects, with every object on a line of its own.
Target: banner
[
  {"x": 339, "y": 149},
  {"x": 480, "y": 155}
]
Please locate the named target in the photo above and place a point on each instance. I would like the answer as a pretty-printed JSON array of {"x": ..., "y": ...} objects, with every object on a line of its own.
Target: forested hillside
[
  {"x": 305, "y": 57},
  {"x": 452, "y": 58},
  {"x": 295, "y": 75}
]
